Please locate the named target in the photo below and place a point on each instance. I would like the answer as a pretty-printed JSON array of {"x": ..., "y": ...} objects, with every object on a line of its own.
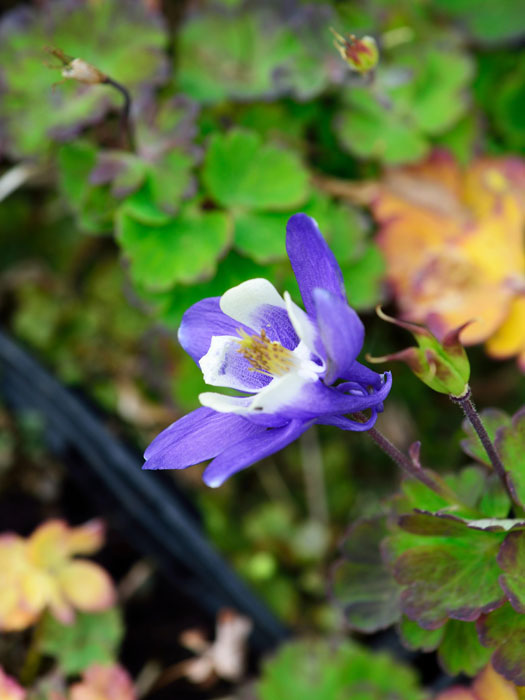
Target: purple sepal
[
  {"x": 250, "y": 450},
  {"x": 363, "y": 375},
  {"x": 312, "y": 261},
  {"x": 317, "y": 400},
  {"x": 202, "y": 434},
  {"x": 342, "y": 333},
  {"x": 348, "y": 424}
]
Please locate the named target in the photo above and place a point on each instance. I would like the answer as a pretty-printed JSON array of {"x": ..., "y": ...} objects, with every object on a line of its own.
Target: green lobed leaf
[
  {"x": 451, "y": 571},
  {"x": 435, "y": 98},
  {"x": 262, "y": 235},
  {"x": 460, "y": 650},
  {"x": 503, "y": 632},
  {"x": 231, "y": 271},
  {"x": 258, "y": 53},
  {"x": 241, "y": 171},
  {"x": 510, "y": 444},
  {"x": 361, "y": 583},
  {"x": 184, "y": 249},
  {"x": 415, "y": 637},
  {"x": 93, "y": 205},
  {"x": 93, "y": 638},
  {"x": 489, "y": 20},
  {"x": 368, "y": 129},
  {"x": 420, "y": 95},
  {"x": 317, "y": 670},
  {"x": 493, "y": 419}
]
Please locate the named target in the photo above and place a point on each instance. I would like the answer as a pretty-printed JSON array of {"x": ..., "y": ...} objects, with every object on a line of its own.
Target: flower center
[{"x": 265, "y": 356}]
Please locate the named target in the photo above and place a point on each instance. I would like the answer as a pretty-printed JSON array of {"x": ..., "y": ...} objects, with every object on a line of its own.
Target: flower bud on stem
[{"x": 83, "y": 72}]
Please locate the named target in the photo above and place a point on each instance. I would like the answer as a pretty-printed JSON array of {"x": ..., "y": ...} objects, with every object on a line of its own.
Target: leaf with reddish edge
[
  {"x": 493, "y": 419},
  {"x": 511, "y": 558},
  {"x": 504, "y": 631},
  {"x": 510, "y": 444},
  {"x": 415, "y": 637},
  {"x": 361, "y": 584},
  {"x": 480, "y": 491},
  {"x": 460, "y": 650},
  {"x": 439, "y": 571}
]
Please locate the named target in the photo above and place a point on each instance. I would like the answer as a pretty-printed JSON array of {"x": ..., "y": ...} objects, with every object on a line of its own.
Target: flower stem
[
  {"x": 34, "y": 656},
  {"x": 409, "y": 467},
  {"x": 417, "y": 472},
  {"x": 126, "y": 111},
  {"x": 472, "y": 416}
]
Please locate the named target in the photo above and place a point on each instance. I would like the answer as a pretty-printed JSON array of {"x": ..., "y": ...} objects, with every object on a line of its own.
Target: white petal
[
  {"x": 223, "y": 365},
  {"x": 280, "y": 392},
  {"x": 225, "y": 404},
  {"x": 243, "y": 302},
  {"x": 303, "y": 326}
]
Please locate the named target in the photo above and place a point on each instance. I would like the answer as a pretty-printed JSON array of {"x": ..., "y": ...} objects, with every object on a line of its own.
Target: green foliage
[
  {"x": 320, "y": 671},
  {"x": 93, "y": 638},
  {"x": 254, "y": 54},
  {"x": 459, "y": 649},
  {"x": 438, "y": 574},
  {"x": 510, "y": 443},
  {"x": 511, "y": 559},
  {"x": 94, "y": 206},
  {"x": 241, "y": 171},
  {"x": 119, "y": 37},
  {"x": 503, "y": 632},
  {"x": 361, "y": 583},
  {"x": 184, "y": 249},
  {"x": 393, "y": 123},
  {"x": 489, "y": 20}
]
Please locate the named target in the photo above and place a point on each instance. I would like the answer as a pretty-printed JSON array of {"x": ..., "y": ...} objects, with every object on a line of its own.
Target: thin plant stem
[
  {"x": 473, "y": 417},
  {"x": 417, "y": 472},
  {"x": 313, "y": 473},
  {"x": 34, "y": 655},
  {"x": 406, "y": 463},
  {"x": 125, "y": 119}
]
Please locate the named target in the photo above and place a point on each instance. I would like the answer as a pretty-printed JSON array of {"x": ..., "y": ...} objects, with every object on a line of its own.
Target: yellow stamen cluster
[{"x": 265, "y": 356}]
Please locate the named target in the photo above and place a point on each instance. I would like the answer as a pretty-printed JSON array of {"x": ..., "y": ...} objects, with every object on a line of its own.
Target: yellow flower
[
  {"x": 41, "y": 572},
  {"x": 453, "y": 243}
]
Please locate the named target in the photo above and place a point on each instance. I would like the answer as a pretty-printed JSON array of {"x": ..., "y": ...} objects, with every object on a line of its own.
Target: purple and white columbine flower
[{"x": 285, "y": 362}]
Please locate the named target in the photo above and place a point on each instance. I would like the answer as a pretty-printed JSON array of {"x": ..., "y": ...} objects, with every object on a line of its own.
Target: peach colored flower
[
  {"x": 454, "y": 247},
  {"x": 103, "y": 683},
  {"x": 488, "y": 685},
  {"x": 9, "y": 688},
  {"x": 41, "y": 572}
]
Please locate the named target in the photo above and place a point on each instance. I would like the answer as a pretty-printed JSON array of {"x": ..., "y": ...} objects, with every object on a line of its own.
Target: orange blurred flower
[
  {"x": 41, "y": 572},
  {"x": 102, "y": 683},
  {"x": 9, "y": 688},
  {"x": 454, "y": 247},
  {"x": 488, "y": 685}
]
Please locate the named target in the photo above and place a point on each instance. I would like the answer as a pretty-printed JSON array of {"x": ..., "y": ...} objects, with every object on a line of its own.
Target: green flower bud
[
  {"x": 362, "y": 55},
  {"x": 443, "y": 366}
]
